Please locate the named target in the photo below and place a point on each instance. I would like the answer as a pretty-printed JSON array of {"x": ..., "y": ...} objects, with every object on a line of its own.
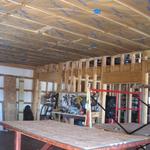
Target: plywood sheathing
[
  {"x": 77, "y": 138},
  {"x": 10, "y": 98},
  {"x": 40, "y": 32},
  {"x": 123, "y": 73},
  {"x": 21, "y": 99}
]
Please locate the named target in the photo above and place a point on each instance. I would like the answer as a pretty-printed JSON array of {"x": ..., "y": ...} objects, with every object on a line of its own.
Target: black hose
[{"x": 118, "y": 122}]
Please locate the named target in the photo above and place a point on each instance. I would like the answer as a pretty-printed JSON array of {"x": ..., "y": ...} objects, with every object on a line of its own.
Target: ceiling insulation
[{"x": 37, "y": 32}]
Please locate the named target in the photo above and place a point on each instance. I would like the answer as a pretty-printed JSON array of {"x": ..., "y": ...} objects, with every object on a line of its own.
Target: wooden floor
[
  {"x": 128, "y": 126},
  {"x": 70, "y": 136}
]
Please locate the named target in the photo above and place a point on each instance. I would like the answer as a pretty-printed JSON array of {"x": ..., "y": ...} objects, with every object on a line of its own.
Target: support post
[
  {"x": 119, "y": 104},
  {"x": 104, "y": 86},
  {"x": 95, "y": 74},
  {"x": 79, "y": 76},
  {"x": 94, "y": 80},
  {"x": 74, "y": 84},
  {"x": 145, "y": 99},
  {"x": 17, "y": 140},
  {"x": 130, "y": 106},
  {"x": 88, "y": 120},
  {"x": 87, "y": 76},
  {"x": 36, "y": 99},
  {"x": 79, "y": 83},
  {"x": 112, "y": 63},
  {"x": 132, "y": 61},
  {"x": 122, "y": 62},
  {"x": 86, "y": 82},
  {"x": 21, "y": 99}
]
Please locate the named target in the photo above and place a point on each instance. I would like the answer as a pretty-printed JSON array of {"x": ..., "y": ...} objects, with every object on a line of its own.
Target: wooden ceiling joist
[
  {"x": 44, "y": 55},
  {"x": 109, "y": 19},
  {"x": 69, "y": 30},
  {"x": 132, "y": 8},
  {"x": 32, "y": 43},
  {"x": 75, "y": 21},
  {"x": 74, "y": 33}
]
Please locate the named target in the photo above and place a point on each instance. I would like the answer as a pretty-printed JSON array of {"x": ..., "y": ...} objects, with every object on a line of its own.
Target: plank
[{"x": 74, "y": 137}]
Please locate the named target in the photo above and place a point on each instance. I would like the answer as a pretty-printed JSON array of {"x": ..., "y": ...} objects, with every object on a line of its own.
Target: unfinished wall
[
  {"x": 10, "y": 98},
  {"x": 74, "y": 76},
  {"x": 9, "y": 91}
]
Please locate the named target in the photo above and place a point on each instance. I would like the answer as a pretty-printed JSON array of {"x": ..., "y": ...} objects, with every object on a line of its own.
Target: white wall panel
[
  {"x": 43, "y": 86},
  {"x": 1, "y": 95},
  {"x": 16, "y": 71},
  {"x": 1, "y": 81}
]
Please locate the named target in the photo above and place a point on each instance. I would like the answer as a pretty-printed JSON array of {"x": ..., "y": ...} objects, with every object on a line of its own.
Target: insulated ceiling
[{"x": 37, "y": 32}]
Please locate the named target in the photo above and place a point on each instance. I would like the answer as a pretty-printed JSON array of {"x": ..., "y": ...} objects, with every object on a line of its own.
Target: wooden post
[
  {"x": 112, "y": 63},
  {"x": 86, "y": 82},
  {"x": 72, "y": 78},
  {"x": 119, "y": 104},
  {"x": 17, "y": 140},
  {"x": 130, "y": 106},
  {"x": 103, "y": 61},
  {"x": 88, "y": 120},
  {"x": 113, "y": 88},
  {"x": 67, "y": 83},
  {"x": 122, "y": 62},
  {"x": 127, "y": 96},
  {"x": 103, "y": 97},
  {"x": 79, "y": 76},
  {"x": 21, "y": 99},
  {"x": 79, "y": 83},
  {"x": 103, "y": 94},
  {"x": 74, "y": 84},
  {"x": 145, "y": 99},
  {"x": 94, "y": 80},
  {"x": 140, "y": 59},
  {"x": 95, "y": 74},
  {"x": 65, "y": 76},
  {"x": 86, "y": 76},
  {"x": 145, "y": 80},
  {"x": 10, "y": 98},
  {"x": 133, "y": 61},
  {"x": 36, "y": 98}
]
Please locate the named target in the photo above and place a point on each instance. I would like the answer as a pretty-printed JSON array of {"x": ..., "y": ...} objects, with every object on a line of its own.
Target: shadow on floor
[{"x": 7, "y": 142}]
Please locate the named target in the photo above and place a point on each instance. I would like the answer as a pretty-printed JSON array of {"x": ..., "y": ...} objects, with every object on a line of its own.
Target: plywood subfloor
[
  {"x": 70, "y": 136},
  {"x": 128, "y": 126}
]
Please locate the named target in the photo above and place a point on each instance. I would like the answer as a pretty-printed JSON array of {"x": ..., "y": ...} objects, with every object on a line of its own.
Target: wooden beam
[{"x": 132, "y": 8}]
